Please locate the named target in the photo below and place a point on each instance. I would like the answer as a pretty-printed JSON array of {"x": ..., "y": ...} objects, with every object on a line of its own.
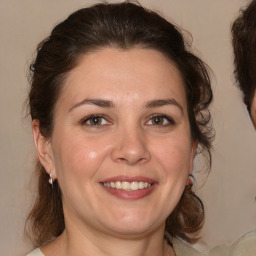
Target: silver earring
[{"x": 50, "y": 180}]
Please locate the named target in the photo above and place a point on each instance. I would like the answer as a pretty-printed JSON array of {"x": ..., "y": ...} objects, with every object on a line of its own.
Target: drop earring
[
  {"x": 50, "y": 180},
  {"x": 190, "y": 180}
]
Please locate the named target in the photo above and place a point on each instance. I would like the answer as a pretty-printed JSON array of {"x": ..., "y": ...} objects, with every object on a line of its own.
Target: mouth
[
  {"x": 131, "y": 188},
  {"x": 127, "y": 186}
]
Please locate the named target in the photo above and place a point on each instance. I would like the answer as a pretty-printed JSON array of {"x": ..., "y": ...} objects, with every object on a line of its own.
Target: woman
[{"x": 119, "y": 106}]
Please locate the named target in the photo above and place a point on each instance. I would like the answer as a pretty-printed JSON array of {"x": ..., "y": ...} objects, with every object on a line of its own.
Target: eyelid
[
  {"x": 167, "y": 117},
  {"x": 84, "y": 120}
]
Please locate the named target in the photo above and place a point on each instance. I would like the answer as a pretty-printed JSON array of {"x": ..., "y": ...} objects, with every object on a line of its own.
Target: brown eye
[
  {"x": 158, "y": 120},
  {"x": 95, "y": 120}
]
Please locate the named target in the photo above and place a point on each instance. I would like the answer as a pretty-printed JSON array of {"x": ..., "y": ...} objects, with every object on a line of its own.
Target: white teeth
[
  {"x": 134, "y": 185},
  {"x": 142, "y": 184},
  {"x": 119, "y": 185},
  {"x": 128, "y": 186}
]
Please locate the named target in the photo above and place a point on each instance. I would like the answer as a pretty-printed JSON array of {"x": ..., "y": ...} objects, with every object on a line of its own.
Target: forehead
[{"x": 110, "y": 71}]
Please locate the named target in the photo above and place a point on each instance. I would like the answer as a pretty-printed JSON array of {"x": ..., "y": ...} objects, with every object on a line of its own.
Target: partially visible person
[{"x": 244, "y": 44}]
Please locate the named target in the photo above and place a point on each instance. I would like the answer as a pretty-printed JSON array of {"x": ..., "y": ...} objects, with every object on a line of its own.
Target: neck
[{"x": 76, "y": 242}]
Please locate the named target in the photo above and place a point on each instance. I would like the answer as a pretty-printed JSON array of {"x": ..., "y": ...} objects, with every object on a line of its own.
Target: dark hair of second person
[{"x": 244, "y": 45}]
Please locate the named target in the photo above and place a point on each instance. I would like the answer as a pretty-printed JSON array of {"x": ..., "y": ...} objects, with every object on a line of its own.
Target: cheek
[
  {"x": 175, "y": 157},
  {"x": 79, "y": 159}
]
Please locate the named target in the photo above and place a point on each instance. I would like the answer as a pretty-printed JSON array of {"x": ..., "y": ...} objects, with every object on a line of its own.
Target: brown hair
[
  {"x": 244, "y": 44},
  {"x": 124, "y": 25}
]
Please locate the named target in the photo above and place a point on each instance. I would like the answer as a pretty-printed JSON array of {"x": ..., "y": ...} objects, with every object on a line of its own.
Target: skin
[
  {"x": 253, "y": 110},
  {"x": 136, "y": 135}
]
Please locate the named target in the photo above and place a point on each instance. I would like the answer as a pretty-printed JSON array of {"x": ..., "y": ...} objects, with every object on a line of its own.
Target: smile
[{"x": 127, "y": 186}]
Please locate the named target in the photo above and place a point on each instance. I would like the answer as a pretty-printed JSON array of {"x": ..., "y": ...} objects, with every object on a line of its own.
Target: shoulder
[
  {"x": 183, "y": 249},
  {"x": 36, "y": 252},
  {"x": 246, "y": 245}
]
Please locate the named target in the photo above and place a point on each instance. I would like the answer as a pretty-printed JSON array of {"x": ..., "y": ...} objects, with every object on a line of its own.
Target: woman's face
[
  {"x": 253, "y": 110},
  {"x": 121, "y": 147}
]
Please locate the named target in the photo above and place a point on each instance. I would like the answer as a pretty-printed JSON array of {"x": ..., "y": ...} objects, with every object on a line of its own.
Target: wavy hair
[{"x": 123, "y": 25}]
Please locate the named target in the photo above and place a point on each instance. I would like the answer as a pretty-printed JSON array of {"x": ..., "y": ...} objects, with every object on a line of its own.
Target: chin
[
  {"x": 134, "y": 225},
  {"x": 132, "y": 231}
]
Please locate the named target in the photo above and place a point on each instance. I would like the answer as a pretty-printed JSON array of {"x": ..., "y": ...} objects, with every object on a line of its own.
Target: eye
[
  {"x": 95, "y": 120},
  {"x": 160, "y": 120}
]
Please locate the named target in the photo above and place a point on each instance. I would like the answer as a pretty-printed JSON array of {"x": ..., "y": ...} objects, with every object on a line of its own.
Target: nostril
[{"x": 130, "y": 148}]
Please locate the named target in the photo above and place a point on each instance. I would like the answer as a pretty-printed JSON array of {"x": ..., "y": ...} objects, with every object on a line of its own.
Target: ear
[
  {"x": 44, "y": 149},
  {"x": 193, "y": 153}
]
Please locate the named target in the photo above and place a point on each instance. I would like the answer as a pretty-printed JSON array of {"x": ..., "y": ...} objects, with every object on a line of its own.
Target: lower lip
[{"x": 131, "y": 194}]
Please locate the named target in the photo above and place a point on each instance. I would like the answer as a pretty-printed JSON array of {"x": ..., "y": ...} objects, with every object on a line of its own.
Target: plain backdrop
[{"x": 228, "y": 192}]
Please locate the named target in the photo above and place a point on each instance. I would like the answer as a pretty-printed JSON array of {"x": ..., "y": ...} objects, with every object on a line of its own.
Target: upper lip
[{"x": 129, "y": 179}]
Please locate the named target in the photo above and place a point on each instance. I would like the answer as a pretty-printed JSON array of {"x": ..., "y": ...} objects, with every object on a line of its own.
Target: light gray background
[{"x": 229, "y": 192}]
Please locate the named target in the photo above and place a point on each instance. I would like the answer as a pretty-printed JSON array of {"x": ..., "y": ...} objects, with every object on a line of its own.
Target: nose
[{"x": 131, "y": 147}]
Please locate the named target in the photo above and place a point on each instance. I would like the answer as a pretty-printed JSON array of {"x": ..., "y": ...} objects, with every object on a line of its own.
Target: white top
[
  {"x": 246, "y": 246},
  {"x": 180, "y": 248},
  {"x": 36, "y": 252}
]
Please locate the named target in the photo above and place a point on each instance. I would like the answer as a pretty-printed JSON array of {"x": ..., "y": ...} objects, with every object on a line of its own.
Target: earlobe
[{"x": 43, "y": 148}]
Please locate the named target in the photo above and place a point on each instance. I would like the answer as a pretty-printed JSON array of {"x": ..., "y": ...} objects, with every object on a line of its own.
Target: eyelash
[
  {"x": 169, "y": 120},
  {"x": 91, "y": 117}
]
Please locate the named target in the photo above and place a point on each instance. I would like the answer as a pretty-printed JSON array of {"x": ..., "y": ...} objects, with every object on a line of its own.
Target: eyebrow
[
  {"x": 164, "y": 102},
  {"x": 97, "y": 102},
  {"x": 109, "y": 104}
]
